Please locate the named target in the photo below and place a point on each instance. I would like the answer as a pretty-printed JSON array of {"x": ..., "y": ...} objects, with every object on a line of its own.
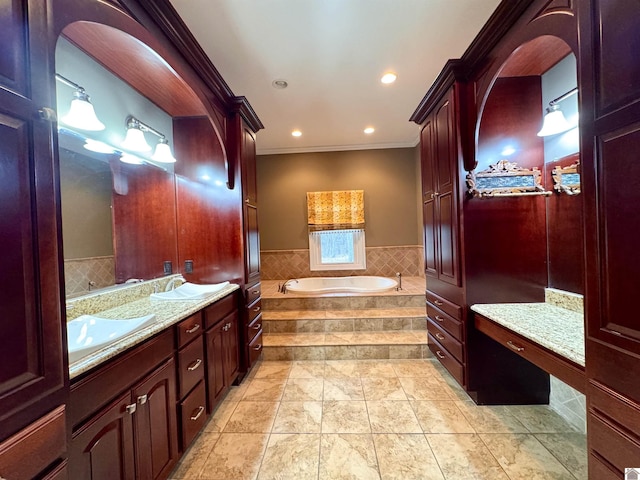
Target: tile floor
[{"x": 376, "y": 419}]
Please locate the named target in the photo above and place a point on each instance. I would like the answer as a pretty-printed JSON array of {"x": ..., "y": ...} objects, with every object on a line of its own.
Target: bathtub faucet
[
  {"x": 399, "y": 287},
  {"x": 282, "y": 288}
]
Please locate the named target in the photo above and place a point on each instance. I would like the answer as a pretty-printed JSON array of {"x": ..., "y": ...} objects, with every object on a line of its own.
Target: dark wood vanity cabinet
[{"x": 610, "y": 131}]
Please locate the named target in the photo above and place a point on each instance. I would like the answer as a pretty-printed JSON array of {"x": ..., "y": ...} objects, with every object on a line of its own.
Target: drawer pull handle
[
  {"x": 439, "y": 318},
  {"x": 258, "y": 326},
  {"x": 438, "y": 303},
  {"x": 255, "y": 292},
  {"x": 142, "y": 399},
  {"x": 515, "y": 347},
  {"x": 199, "y": 414},
  {"x": 131, "y": 409},
  {"x": 193, "y": 329},
  {"x": 257, "y": 309},
  {"x": 257, "y": 347},
  {"x": 439, "y": 336},
  {"x": 194, "y": 365},
  {"x": 440, "y": 355}
]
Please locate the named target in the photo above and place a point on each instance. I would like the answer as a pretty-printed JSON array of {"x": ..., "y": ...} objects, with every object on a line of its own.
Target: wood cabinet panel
[
  {"x": 252, "y": 293},
  {"x": 193, "y": 414},
  {"x": 231, "y": 348},
  {"x": 255, "y": 348},
  {"x": 217, "y": 311},
  {"x": 215, "y": 365},
  {"x": 103, "y": 449},
  {"x": 454, "y": 367},
  {"x": 252, "y": 243},
  {"x": 254, "y": 328},
  {"x": 446, "y": 340},
  {"x": 190, "y": 329},
  {"x": 191, "y": 366},
  {"x": 14, "y": 60},
  {"x": 451, "y": 325}
]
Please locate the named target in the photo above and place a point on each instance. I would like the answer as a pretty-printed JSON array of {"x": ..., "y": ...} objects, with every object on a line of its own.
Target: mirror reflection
[{"x": 540, "y": 78}]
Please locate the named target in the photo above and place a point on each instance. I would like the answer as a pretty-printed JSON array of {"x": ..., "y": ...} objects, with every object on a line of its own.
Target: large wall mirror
[
  {"x": 539, "y": 77},
  {"x": 118, "y": 202}
]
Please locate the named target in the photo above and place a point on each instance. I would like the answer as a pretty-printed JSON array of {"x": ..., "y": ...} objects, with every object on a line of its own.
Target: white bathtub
[{"x": 359, "y": 284}]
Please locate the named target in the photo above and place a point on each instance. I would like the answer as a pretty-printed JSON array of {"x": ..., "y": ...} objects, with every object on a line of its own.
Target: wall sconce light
[
  {"x": 81, "y": 113},
  {"x": 554, "y": 121},
  {"x": 136, "y": 142}
]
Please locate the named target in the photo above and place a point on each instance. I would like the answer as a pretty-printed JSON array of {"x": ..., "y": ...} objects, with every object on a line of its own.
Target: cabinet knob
[
  {"x": 435, "y": 194},
  {"x": 194, "y": 365},
  {"x": 131, "y": 409},
  {"x": 246, "y": 200},
  {"x": 228, "y": 325},
  {"x": 142, "y": 399},
  {"x": 196, "y": 416},
  {"x": 193, "y": 329},
  {"x": 47, "y": 114}
]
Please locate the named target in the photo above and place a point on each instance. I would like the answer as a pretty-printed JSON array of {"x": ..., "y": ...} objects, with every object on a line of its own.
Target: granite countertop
[
  {"x": 555, "y": 328},
  {"x": 167, "y": 313}
]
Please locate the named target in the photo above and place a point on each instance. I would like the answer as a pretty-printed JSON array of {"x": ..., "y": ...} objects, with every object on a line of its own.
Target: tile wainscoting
[
  {"x": 81, "y": 275},
  {"x": 381, "y": 261}
]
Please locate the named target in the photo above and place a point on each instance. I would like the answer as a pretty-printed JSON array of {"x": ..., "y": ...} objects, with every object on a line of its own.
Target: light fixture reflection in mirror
[
  {"x": 554, "y": 121},
  {"x": 98, "y": 146},
  {"x": 131, "y": 159}
]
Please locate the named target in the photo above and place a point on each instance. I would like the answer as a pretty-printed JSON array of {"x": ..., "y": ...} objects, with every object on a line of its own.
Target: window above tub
[{"x": 337, "y": 250}]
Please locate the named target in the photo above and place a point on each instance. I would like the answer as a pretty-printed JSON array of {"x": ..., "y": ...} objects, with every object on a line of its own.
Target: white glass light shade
[
  {"x": 135, "y": 141},
  {"x": 554, "y": 122},
  {"x": 163, "y": 153},
  {"x": 81, "y": 114},
  {"x": 131, "y": 159}
]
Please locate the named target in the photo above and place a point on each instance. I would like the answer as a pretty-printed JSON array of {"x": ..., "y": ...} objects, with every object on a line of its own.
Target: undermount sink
[
  {"x": 87, "y": 334},
  {"x": 190, "y": 291}
]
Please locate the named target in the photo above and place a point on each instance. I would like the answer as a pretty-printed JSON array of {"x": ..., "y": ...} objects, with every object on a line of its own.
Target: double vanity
[{"x": 140, "y": 393}]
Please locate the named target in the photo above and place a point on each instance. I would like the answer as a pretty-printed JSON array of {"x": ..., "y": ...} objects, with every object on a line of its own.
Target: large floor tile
[
  {"x": 341, "y": 368},
  {"x": 298, "y": 417},
  {"x": 345, "y": 417},
  {"x": 392, "y": 417},
  {"x": 252, "y": 417},
  {"x": 348, "y": 457},
  {"x": 406, "y": 457},
  {"x": 465, "y": 457},
  {"x": 343, "y": 388},
  {"x": 273, "y": 370},
  {"x": 303, "y": 390},
  {"x": 378, "y": 388},
  {"x": 265, "y": 390},
  {"x": 414, "y": 368},
  {"x": 195, "y": 457},
  {"x": 523, "y": 456},
  {"x": 291, "y": 456},
  {"x": 438, "y": 416},
  {"x": 570, "y": 449},
  {"x": 490, "y": 419},
  {"x": 424, "y": 388},
  {"x": 375, "y": 369},
  {"x": 307, "y": 369},
  {"x": 220, "y": 416},
  {"x": 235, "y": 456},
  {"x": 540, "y": 419}
]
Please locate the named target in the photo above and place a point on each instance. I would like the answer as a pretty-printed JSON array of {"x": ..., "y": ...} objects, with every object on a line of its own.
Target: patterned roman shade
[{"x": 333, "y": 210}]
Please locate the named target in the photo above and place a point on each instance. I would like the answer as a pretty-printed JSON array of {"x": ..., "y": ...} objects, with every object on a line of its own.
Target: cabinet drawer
[
  {"x": 216, "y": 312},
  {"x": 254, "y": 328},
  {"x": 255, "y": 348},
  {"x": 253, "y": 293},
  {"x": 447, "y": 359},
  {"x": 254, "y": 310},
  {"x": 193, "y": 414},
  {"x": 30, "y": 451},
  {"x": 618, "y": 447},
  {"x": 445, "y": 321},
  {"x": 190, "y": 366},
  {"x": 445, "y": 305},
  {"x": 447, "y": 340},
  {"x": 189, "y": 328}
]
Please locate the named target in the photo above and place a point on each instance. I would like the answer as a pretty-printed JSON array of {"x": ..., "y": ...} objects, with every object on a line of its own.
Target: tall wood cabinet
[
  {"x": 33, "y": 375},
  {"x": 610, "y": 100}
]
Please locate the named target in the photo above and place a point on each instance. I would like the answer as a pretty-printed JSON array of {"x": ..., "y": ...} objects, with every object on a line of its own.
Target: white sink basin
[
  {"x": 190, "y": 291},
  {"x": 87, "y": 334}
]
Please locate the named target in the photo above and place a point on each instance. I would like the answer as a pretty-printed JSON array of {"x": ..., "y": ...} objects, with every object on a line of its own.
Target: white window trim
[{"x": 359, "y": 253}]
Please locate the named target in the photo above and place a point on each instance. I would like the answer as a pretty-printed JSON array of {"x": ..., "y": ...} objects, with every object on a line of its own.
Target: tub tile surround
[
  {"x": 381, "y": 261},
  {"x": 131, "y": 302},
  {"x": 361, "y": 422}
]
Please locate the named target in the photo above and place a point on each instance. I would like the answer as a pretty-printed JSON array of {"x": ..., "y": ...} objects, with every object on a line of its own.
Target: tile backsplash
[
  {"x": 81, "y": 275},
  {"x": 381, "y": 261}
]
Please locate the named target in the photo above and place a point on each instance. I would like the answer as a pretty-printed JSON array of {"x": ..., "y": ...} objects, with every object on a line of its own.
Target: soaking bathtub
[{"x": 358, "y": 284}]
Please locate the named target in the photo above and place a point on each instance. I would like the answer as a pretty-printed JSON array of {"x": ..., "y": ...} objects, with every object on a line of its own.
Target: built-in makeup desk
[{"x": 547, "y": 335}]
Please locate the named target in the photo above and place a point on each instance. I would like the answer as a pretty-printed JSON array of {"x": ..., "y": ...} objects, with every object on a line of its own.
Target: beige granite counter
[
  {"x": 557, "y": 329},
  {"x": 167, "y": 313}
]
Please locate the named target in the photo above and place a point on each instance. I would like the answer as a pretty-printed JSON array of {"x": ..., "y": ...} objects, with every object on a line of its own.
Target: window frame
[{"x": 359, "y": 251}]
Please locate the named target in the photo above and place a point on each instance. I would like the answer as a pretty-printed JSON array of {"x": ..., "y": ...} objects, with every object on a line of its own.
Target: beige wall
[
  {"x": 418, "y": 165},
  {"x": 387, "y": 176}
]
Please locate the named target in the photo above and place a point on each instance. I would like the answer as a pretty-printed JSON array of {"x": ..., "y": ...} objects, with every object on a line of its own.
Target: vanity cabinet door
[
  {"x": 155, "y": 424},
  {"x": 215, "y": 364},
  {"x": 231, "y": 350},
  {"x": 33, "y": 372},
  {"x": 104, "y": 448}
]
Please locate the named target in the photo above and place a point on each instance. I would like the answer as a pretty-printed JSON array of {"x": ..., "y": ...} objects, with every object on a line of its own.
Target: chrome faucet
[
  {"x": 399, "y": 287},
  {"x": 282, "y": 288},
  {"x": 171, "y": 284}
]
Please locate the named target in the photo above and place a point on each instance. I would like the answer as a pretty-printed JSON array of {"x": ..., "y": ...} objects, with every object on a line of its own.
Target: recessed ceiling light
[
  {"x": 296, "y": 133},
  {"x": 369, "y": 130},
  {"x": 389, "y": 77},
  {"x": 280, "y": 84}
]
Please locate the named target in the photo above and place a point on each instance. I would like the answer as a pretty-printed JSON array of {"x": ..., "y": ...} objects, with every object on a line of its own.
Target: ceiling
[{"x": 333, "y": 53}]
